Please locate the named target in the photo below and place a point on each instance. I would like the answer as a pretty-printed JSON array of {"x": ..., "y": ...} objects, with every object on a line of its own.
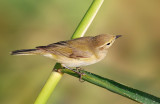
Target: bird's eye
[{"x": 108, "y": 43}]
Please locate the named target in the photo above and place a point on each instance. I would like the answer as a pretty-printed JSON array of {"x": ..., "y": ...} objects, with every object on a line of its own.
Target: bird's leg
[
  {"x": 79, "y": 69},
  {"x": 76, "y": 71},
  {"x": 80, "y": 73},
  {"x": 71, "y": 69}
]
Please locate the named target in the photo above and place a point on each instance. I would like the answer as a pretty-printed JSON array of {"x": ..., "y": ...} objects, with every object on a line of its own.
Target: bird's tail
[{"x": 26, "y": 52}]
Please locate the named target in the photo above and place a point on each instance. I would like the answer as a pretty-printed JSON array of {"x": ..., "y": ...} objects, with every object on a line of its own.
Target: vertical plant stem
[
  {"x": 87, "y": 19},
  {"x": 79, "y": 32},
  {"x": 48, "y": 88}
]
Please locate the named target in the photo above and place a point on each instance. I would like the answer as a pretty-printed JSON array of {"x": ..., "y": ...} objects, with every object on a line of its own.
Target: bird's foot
[{"x": 78, "y": 71}]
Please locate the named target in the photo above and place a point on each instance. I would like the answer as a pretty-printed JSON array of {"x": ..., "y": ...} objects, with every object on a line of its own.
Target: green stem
[
  {"x": 115, "y": 87},
  {"x": 79, "y": 32},
  {"x": 87, "y": 19},
  {"x": 48, "y": 88}
]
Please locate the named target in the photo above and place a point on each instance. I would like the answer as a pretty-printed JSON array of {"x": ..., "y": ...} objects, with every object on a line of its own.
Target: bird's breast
[{"x": 71, "y": 62}]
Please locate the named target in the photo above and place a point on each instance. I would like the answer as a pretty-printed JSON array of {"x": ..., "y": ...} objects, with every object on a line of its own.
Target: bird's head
[{"x": 104, "y": 41}]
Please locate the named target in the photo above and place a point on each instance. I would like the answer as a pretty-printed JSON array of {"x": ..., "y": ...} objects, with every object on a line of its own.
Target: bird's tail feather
[{"x": 26, "y": 52}]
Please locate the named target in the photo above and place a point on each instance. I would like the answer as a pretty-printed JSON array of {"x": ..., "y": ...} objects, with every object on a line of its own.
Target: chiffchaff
[{"x": 76, "y": 52}]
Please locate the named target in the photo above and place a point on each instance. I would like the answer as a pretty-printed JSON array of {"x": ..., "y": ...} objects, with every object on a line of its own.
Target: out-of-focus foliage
[{"x": 133, "y": 60}]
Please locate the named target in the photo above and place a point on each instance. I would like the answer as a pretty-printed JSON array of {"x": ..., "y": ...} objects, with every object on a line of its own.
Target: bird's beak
[{"x": 117, "y": 36}]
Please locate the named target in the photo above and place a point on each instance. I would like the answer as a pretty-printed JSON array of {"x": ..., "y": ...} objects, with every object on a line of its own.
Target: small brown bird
[{"x": 76, "y": 52}]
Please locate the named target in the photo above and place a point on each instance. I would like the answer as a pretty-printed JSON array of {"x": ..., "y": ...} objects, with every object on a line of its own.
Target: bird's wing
[{"x": 68, "y": 49}]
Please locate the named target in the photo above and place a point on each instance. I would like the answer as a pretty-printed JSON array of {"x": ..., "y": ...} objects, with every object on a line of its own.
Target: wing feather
[{"x": 71, "y": 49}]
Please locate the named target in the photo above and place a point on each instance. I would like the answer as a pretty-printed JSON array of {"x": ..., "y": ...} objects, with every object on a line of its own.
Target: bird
[{"x": 77, "y": 52}]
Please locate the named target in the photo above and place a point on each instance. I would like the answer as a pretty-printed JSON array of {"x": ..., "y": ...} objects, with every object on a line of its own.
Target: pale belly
[
  {"x": 70, "y": 62},
  {"x": 78, "y": 62}
]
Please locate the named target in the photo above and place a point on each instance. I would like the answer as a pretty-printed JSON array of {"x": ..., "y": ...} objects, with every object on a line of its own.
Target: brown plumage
[{"x": 74, "y": 53}]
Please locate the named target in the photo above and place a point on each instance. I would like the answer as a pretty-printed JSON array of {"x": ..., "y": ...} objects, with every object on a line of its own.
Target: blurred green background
[{"x": 133, "y": 60}]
